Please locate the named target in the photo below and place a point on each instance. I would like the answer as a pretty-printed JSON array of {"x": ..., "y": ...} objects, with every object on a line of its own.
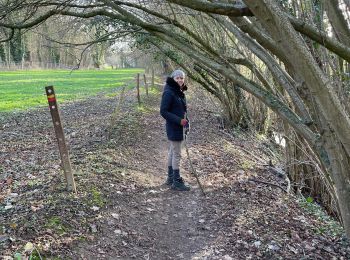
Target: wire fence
[{"x": 5, "y": 66}]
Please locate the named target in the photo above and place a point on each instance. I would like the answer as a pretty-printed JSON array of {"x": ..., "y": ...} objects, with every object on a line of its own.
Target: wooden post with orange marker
[{"x": 65, "y": 161}]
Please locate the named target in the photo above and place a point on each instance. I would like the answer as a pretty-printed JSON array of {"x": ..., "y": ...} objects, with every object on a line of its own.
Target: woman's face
[{"x": 180, "y": 80}]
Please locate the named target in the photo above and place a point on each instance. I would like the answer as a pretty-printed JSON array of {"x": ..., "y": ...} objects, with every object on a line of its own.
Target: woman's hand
[{"x": 183, "y": 122}]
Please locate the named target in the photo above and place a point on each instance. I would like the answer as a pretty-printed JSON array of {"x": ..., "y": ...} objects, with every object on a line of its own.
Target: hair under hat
[{"x": 177, "y": 73}]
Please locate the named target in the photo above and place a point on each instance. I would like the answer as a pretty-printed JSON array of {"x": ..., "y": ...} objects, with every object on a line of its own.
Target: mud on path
[{"x": 124, "y": 211}]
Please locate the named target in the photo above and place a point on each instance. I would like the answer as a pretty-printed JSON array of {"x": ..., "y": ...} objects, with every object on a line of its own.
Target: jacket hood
[{"x": 173, "y": 84}]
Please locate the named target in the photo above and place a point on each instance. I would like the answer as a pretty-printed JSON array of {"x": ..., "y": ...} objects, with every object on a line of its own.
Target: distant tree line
[{"x": 65, "y": 42}]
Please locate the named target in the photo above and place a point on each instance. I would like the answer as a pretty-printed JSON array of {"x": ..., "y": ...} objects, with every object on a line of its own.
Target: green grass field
[{"x": 21, "y": 90}]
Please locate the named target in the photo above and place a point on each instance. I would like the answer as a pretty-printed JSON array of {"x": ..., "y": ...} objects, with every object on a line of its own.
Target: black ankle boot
[
  {"x": 178, "y": 182},
  {"x": 170, "y": 178}
]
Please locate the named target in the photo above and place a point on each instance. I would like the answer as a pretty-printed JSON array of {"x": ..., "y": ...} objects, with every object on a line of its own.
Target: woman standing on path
[{"x": 173, "y": 109}]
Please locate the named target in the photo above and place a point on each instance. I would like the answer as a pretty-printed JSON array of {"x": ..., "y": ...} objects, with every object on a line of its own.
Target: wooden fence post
[
  {"x": 65, "y": 161},
  {"x": 152, "y": 78},
  {"x": 146, "y": 86},
  {"x": 138, "y": 88}
]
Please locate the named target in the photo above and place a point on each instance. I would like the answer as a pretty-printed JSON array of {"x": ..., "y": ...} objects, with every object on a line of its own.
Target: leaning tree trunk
[
  {"x": 336, "y": 18},
  {"x": 334, "y": 149}
]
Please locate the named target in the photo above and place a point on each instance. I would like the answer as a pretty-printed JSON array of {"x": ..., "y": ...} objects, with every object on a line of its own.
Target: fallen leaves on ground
[{"x": 123, "y": 209}]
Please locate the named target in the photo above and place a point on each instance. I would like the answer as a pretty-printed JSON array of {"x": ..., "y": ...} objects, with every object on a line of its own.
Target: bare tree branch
[
  {"x": 12, "y": 33},
  {"x": 214, "y": 7}
]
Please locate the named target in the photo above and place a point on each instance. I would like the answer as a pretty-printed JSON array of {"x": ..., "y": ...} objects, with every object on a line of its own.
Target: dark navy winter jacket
[{"x": 173, "y": 109}]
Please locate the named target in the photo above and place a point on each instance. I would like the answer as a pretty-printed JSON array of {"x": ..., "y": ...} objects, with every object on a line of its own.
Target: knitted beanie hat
[{"x": 177, "y": 73}]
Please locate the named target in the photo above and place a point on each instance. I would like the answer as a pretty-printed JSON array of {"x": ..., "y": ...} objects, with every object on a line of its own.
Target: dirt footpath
[{"x": 124, "y": 211}]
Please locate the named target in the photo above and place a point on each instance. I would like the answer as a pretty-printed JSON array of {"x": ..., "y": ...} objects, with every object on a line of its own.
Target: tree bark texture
[{"x": 304, "y": 65}]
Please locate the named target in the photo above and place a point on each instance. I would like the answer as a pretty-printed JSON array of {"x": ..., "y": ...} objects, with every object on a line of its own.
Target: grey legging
[{"x": 174, "y": 154}]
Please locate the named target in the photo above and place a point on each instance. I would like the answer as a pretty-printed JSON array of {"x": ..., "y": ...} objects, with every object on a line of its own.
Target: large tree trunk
[
  {"x": 337, "y": 20},
  {"x": 329, "y": 108}
]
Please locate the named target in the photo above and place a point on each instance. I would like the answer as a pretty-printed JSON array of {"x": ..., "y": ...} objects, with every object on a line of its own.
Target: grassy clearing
[{"x": 26, "y": 89}]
